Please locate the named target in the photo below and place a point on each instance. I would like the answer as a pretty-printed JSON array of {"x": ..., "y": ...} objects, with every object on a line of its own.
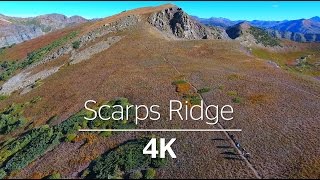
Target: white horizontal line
[{"x": 160, "y": 130}]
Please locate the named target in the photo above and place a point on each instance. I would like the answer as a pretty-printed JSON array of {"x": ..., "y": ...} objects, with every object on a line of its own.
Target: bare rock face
[
  {"x": 174, "y": 21},
  {"x": 25, "y": 80},
  {"x": 14, "y": 34},
  {"x": 14, "y": 30}
]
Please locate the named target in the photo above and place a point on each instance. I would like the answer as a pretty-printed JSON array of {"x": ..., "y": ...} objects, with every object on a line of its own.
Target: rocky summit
[{"x": 175, "y": 22}]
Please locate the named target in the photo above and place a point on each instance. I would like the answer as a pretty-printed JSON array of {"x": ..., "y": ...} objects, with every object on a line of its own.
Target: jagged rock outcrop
[{"x": 175, "y": 22}]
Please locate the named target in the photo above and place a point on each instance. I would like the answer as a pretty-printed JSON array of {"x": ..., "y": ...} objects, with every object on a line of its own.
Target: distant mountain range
[
  {"x": 301, "y": 30},
  {"x": 15, "y": 30}
]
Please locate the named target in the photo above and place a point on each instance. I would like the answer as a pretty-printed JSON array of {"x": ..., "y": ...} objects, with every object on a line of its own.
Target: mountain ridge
[
  {"x": 128, "y": 56},
  {"x": 15, "y": 30},
  {"x": 300, "y": 30}
]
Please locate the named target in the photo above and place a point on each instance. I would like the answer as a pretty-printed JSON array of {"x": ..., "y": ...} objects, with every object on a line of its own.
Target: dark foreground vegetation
[
  {"x": 125, "y": 161},
  {"x": 17, "y": 153}
]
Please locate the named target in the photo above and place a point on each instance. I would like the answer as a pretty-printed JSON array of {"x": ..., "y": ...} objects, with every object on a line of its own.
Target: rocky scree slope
[
  {"x": 24, "y": 80},
  {"x": 14, "y": 30}
]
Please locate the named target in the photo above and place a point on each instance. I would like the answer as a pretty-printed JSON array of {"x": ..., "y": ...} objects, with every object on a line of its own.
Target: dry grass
[
  {"x": 20, "y": 51},
  {"x": 258, "y": 98},
  {"x": 279, "y": 120},
  {"x": 286, "y": 59}
]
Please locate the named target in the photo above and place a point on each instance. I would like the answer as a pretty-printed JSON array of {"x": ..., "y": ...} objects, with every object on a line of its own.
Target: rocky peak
[
  {"x": 174, "y": 21},
  {"x": 237, "y": 30},
  {"x": 53, "y": 16},
  {"x": 315, "y": 18},
  {"x": 57, "y": 20},
  {"x": 77, "y": 19},
  {"x": 249, "y": 35},
  {"x": 244, "y": 25}
]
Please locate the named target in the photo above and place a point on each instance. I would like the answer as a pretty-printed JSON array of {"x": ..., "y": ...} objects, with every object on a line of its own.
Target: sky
[{"x": 258, "y": 10}]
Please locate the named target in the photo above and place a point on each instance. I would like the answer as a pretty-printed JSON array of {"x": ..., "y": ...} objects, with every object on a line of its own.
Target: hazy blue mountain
[
  {"x": 315, "y": 18},
  {"x": 221, "y": 22},
  {"x": 304, "y": 26},
  {"x": 301, "y": 30}
]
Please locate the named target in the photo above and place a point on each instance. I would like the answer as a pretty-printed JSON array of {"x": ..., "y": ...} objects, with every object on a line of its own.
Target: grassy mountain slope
[{"x": 276, "y": 109}]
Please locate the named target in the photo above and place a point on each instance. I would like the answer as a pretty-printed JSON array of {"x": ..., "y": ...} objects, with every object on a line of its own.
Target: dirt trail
[{"x": 254, "y": 171}]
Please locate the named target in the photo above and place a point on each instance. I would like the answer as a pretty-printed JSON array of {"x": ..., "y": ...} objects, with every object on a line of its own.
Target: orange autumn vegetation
[
  {"x": 258, "y": 98},
  {"x": 183, "y": 88},
  {"x": 88, "y": 138},
  {"x": 37, "y": 175}
]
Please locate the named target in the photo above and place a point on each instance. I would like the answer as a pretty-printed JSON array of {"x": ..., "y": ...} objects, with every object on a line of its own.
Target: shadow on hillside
[
  {"x": 224, "y": 147},
  {"x": 233, "y": 158},
  {"x": 227, "y": 151}
]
